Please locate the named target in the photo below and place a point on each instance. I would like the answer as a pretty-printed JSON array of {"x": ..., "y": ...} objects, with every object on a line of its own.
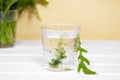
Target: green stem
[
  {"x": 7, "y": 33},
  {"x": 7, "y": 9}
]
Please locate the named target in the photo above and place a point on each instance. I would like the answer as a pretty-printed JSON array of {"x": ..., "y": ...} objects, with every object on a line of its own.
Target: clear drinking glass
[{"x": 59, "y": 44}]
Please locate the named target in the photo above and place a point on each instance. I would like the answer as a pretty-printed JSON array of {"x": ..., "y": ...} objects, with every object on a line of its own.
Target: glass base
[{"x": 60, "y": 68}]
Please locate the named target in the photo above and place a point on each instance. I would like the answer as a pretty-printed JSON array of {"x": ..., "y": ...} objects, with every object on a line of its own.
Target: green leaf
[
  {"x": 86, "y": 60},
  {"x": 79, "y": 67},
  {"x": 82, "y": 58},
  {"x": 77, "y": 49},
  {"x": 43, "y": 2},
  {"x": 22, "y": 5},
  {"x": 27, "y": 4},
  {"x": 87, "y": 71},
  {"x": 84, "y": 50}
]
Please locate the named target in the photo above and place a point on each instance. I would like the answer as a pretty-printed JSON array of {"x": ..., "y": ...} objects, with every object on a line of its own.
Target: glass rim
[{"x": 77, "y": 27}]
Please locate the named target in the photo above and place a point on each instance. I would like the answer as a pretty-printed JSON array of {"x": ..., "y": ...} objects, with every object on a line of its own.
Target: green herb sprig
[
  {"x": 82, "y": 60},
  {"x": 60, "y": 54}
]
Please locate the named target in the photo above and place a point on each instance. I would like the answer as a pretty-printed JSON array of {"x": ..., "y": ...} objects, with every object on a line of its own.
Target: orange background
[{"x": 99, "y": 19}]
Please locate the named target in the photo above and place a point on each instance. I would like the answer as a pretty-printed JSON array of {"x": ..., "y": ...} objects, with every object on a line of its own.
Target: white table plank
[
  {"x": 101, "y": 59},
  {"x": 36, "y": 67},
  {"x": 24, "y": 62}
]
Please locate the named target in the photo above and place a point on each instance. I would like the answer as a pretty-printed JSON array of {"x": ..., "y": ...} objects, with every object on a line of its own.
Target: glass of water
[{"x": 59, "y": 45}]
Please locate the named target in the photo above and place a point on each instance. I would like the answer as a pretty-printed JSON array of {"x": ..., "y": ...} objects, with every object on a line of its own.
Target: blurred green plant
[{"x": 7, "y": 17}]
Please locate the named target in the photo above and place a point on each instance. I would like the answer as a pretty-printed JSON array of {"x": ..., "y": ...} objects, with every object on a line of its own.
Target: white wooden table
[{"x": 23, "y": 62}]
